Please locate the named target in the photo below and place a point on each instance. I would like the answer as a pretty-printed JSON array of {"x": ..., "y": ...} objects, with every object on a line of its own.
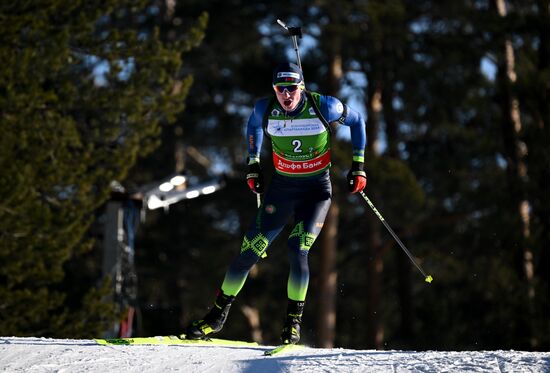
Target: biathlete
[{"x": 299, "y": 124}]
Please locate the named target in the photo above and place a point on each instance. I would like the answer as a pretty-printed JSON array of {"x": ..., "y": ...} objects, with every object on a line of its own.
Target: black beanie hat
[{"x": 287, "y": 73}]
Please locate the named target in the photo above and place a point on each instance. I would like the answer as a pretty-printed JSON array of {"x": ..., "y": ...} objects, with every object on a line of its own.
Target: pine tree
[{"x": 84, "y": 92}]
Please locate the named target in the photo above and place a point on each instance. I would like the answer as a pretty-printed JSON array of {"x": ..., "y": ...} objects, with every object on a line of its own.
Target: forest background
[{"x": 456, "y": 94}]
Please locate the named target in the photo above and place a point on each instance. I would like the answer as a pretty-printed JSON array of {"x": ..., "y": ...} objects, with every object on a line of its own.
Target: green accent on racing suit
[{"x": 306, "y": 239}]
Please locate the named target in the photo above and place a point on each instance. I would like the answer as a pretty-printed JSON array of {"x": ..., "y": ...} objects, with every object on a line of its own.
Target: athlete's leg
[
  {"x": 310, "y": 217},
  {"x": 270, "y": 220}
]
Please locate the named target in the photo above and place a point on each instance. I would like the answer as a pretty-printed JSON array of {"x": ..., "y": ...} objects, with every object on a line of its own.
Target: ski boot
[
  {"x": 214, "y": 319},
  {"x": 291, "y": 328}
]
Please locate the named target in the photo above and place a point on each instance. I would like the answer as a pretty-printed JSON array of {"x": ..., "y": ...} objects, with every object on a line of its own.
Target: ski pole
[
  {"x": 294, "y": 32},
  {"x": 258, "y": 200},
  {"x": 427, "y": 278}
]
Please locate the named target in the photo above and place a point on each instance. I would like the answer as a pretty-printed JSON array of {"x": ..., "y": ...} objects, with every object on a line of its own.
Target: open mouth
[{"x": 287, "y": 102}]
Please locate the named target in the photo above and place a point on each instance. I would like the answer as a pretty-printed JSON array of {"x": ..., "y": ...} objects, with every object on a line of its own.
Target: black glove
[
  {"x": 255, "y": 178},
  {"x": 357, "y": 178}
]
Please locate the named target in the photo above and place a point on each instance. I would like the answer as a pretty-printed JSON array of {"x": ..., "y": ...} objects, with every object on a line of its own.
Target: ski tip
[
  {"x": 429, "y": 279},
  {"x": 282, "y": 348}
]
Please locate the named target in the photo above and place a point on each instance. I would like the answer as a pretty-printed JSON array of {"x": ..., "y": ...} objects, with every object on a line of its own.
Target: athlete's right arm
[{"x": 255, "y": 131}]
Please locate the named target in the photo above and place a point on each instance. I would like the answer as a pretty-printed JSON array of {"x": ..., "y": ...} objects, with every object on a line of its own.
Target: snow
[{"x": 39, "y": 355}]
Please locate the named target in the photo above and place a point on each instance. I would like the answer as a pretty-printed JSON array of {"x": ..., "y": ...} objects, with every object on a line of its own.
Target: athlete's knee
[
  {"x": 256, "y": 246},
  {"x": 300, "y": 239}
]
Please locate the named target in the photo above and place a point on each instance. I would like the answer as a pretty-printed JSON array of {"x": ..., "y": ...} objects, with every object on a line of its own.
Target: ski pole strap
[
  {"x": 332, "y": 126},
  {"x": 359, "y": 173}
]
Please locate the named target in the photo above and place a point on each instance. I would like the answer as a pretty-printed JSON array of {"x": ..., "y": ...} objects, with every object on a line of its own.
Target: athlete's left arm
[{"x": 334, "y": 110}]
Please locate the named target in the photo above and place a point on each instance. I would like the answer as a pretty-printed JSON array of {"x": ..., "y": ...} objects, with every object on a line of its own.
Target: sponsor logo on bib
[{"x": 301, "y": 167}]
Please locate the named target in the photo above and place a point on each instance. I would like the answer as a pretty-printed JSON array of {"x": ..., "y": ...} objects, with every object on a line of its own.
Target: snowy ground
[{"x": 69, "y": 355}]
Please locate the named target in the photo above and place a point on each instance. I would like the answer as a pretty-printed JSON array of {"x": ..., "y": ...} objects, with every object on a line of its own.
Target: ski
[
  {"x": 282, "y": 348},
  {"x": 172, "y": 340},
  {"x": 169, "y": 340}
]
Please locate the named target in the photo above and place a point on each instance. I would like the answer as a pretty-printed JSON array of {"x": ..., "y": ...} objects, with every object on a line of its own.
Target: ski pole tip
[{"x": 429, "y": 279}]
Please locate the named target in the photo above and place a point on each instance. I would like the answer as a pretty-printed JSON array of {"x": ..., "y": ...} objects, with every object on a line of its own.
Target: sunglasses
[{"x": 288, "y": 88}]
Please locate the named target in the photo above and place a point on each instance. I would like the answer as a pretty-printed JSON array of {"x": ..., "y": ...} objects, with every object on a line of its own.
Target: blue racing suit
[{"x": 300, "y": 187}]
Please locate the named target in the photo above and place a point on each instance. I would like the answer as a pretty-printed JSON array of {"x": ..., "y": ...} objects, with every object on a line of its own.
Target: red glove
[
  {"x": 255, "y": 178},
  {"x": 357, "y": 178}
]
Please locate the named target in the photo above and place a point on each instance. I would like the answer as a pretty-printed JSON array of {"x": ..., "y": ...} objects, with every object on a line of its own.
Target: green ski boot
[
  {"x": 291, "y": 329},
  {"x": 213, "y": 321}
]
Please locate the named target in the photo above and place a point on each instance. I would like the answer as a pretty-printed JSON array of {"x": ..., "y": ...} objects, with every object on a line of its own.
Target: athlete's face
[{"x": 289, "y": 95}]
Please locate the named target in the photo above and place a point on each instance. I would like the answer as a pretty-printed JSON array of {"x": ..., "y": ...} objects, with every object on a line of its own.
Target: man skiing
[{"x": 299, "y": 124}]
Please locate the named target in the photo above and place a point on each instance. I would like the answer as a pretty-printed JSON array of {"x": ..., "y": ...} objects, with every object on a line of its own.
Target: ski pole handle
[
  {"x": 295, "y": 33},
  {"x": 283, "y": 25}
]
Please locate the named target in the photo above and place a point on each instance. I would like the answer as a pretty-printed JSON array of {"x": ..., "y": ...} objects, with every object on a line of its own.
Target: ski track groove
[{"x": 498, "y": 365}]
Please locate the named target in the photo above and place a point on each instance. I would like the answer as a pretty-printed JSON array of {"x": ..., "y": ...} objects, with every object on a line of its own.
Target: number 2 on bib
[{"x": 297, "y": 144}]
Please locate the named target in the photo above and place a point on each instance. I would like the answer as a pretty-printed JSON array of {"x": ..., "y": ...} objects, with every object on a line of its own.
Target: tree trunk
[
  {"x": 374, "y": 107},
  {"x": 328, "y": 276},
  {"x": 252, "y": 315},
  {"x": 389, "y": 118},
  {"x": 375, "y": 265},
  {"x": 375, "y": 331},
  {"x": 516, "y": 151},
  {"x": 326, "y": 303},
  {"x": 539, "y": 156},
  {"x": 403, "y": 266}
]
